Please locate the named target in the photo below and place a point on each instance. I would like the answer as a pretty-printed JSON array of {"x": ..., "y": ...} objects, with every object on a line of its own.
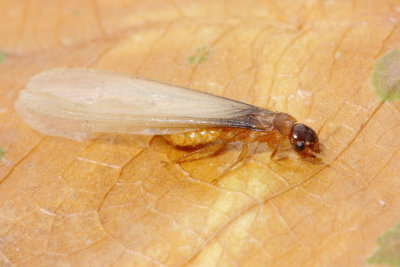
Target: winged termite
[{"x": 78, "y": 103}]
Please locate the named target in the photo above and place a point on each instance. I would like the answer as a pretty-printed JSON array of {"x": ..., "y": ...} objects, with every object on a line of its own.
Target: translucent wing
[{"x": 77, "y": 103}]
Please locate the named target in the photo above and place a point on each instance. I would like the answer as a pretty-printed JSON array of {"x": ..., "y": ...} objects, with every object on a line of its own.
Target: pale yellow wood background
[{"x": 117, "y": 201}]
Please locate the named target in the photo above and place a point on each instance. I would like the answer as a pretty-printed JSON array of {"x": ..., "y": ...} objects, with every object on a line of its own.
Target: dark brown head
[{"x": 304, "y": 140}]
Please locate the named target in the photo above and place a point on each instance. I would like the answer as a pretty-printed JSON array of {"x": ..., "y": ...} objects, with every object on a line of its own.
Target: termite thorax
[{"x": 283, "y": 123}]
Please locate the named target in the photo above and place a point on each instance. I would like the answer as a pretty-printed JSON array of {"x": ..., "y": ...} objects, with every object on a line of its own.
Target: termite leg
[
  {"x": 210, "y": 149},
  {"x": 276, "y": 148},
  {"x": 273, "y": 154},
  {"x": 243, "y": 154},
  {"x": 203, "y": 152}
]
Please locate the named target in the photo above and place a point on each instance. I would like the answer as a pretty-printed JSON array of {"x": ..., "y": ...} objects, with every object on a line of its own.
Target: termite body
[{"x": 302, "y": 138}]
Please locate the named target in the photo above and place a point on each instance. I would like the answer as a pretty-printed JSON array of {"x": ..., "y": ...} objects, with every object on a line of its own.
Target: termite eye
[{"x": 299, "y": 146}]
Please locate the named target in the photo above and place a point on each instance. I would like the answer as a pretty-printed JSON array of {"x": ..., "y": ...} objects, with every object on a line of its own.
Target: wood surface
[{"x": 118, "y": 200}]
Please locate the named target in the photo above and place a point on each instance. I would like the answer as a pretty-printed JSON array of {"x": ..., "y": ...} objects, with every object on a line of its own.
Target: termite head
[{"x": 303, "y": 139}]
